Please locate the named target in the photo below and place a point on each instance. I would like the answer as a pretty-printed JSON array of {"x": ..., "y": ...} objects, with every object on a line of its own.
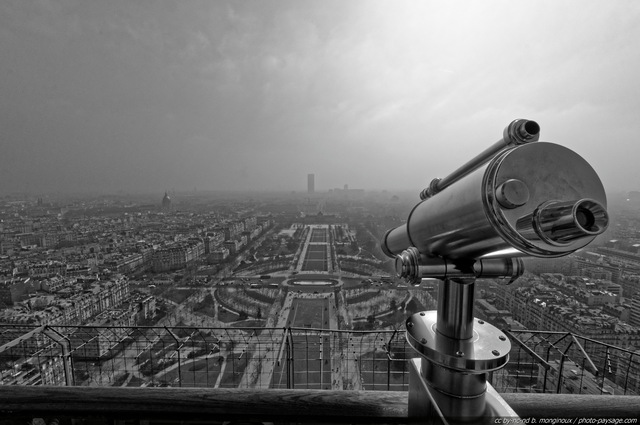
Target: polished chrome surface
[
  {"x": 422, "y": 405},
  {"x": 564, "y": 191},
  {"x": 408, "y": 266},
  {"x": 517, "y": 133},
  {"x": 511, "y": 268},
  {"x": 469, "y": 219},
  {"x": 395, "y": 241},
  {"x": 451, "y": 382},
  {"x": 562, "y": 222},
  {"x": 430, "y": 190},
  {"x": 512, "y": 194},
  {"x": 426, "y": 402},
  {"x": 459, "y": 395},
  {"x": 487, "y": 350},
  {"x": 413, "y": 267},
  {"x": 455, "y": 308}
]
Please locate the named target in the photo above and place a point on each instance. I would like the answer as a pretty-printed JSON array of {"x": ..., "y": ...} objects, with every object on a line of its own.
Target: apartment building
[{"x": 178, "y": 255}]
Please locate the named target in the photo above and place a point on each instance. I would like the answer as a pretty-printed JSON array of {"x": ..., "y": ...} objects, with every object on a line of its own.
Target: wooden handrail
[
  {"x": 275, "y": 405},
  {"x": 204, "y": 403}
]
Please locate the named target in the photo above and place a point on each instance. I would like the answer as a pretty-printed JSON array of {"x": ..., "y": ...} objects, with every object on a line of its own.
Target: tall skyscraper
[{"x": 311, "y": 183}]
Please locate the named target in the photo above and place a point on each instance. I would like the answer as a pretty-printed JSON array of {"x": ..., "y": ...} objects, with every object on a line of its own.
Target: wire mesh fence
[
  {"x": 303, "y": 358},
  {"x": 560, "y": 362},
  {"x": 349, "y": 360},
  {"x": 203, "y": 357}
]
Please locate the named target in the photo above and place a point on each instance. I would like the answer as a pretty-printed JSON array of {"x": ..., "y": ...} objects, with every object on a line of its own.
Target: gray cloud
[{"x": 148, "y": 95}]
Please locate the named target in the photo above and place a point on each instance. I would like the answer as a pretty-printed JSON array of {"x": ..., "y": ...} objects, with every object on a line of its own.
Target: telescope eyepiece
[
  {"x": 529, "y": 130},
  {"x": 559, "y": 223},
  {"x": 585, "y": 218},
  {"x": 520, "y": 132}
]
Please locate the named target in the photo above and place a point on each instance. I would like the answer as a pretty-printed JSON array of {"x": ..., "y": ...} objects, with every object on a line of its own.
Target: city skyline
[
  {"x": 301, "y": 292},
  {"x": 109, "y": 96},
  {"x": 197, "y": 271}
]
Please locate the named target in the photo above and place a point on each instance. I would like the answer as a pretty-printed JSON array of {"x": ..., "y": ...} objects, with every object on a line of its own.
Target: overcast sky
[{"x": 104, "y": 95}]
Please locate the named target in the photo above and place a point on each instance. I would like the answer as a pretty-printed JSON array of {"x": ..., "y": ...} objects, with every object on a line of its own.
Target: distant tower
[
  {"x": 311, "y": 183},
  {"x": 166, "y": 202}
]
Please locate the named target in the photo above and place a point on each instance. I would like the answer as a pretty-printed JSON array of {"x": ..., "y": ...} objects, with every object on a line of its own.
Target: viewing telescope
[{"x": 519, "y": 197}]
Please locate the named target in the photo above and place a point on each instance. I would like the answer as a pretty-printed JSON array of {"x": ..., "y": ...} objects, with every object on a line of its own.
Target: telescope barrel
[
  {"x": 538, "y": 199},
  {"x": 518, "y": 132},
  {"x": 395, "y": 241}
]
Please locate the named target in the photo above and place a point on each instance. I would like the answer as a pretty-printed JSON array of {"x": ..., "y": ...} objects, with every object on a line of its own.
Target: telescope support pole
[
  {"x": 455, "y": 308},
  {"x": 449, "y": 380}
]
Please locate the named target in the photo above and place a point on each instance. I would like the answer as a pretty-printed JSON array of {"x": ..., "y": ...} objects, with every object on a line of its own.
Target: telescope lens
[
  {"x": 532, "y": 127},
  {"x": 585, "y": 218},
  {"x": 563, "y": 222}
]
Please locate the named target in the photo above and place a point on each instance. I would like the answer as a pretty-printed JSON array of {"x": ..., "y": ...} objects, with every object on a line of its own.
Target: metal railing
[
  {"x": 564, "y": 363},
  {"x": 291, "y": 358},
  {"x": 284, "y": 358}
]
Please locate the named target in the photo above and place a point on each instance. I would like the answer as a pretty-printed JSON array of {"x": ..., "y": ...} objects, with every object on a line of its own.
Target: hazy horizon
[{"x": 147, "y": 96}]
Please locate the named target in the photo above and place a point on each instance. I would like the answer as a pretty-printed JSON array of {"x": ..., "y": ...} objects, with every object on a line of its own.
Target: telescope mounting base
[
  {"x": 449, "y": 380},
  {"x": 424, "y": 409},
  {"x": 486, "y": 350}
]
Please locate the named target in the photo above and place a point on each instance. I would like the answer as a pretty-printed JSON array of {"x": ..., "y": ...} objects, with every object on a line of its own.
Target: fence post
[
  {"x": 604, "y": 369},
  {"x": 65, "y": 346},
  {"x": 582, "y": 374},
  {"x": 287, "y": 349},
  {"x": 626, "y": 380},
  {"x": 560, "y": 371},
  {"x": 178, "y": 353},
  {"x": 290, "y": 361}
]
